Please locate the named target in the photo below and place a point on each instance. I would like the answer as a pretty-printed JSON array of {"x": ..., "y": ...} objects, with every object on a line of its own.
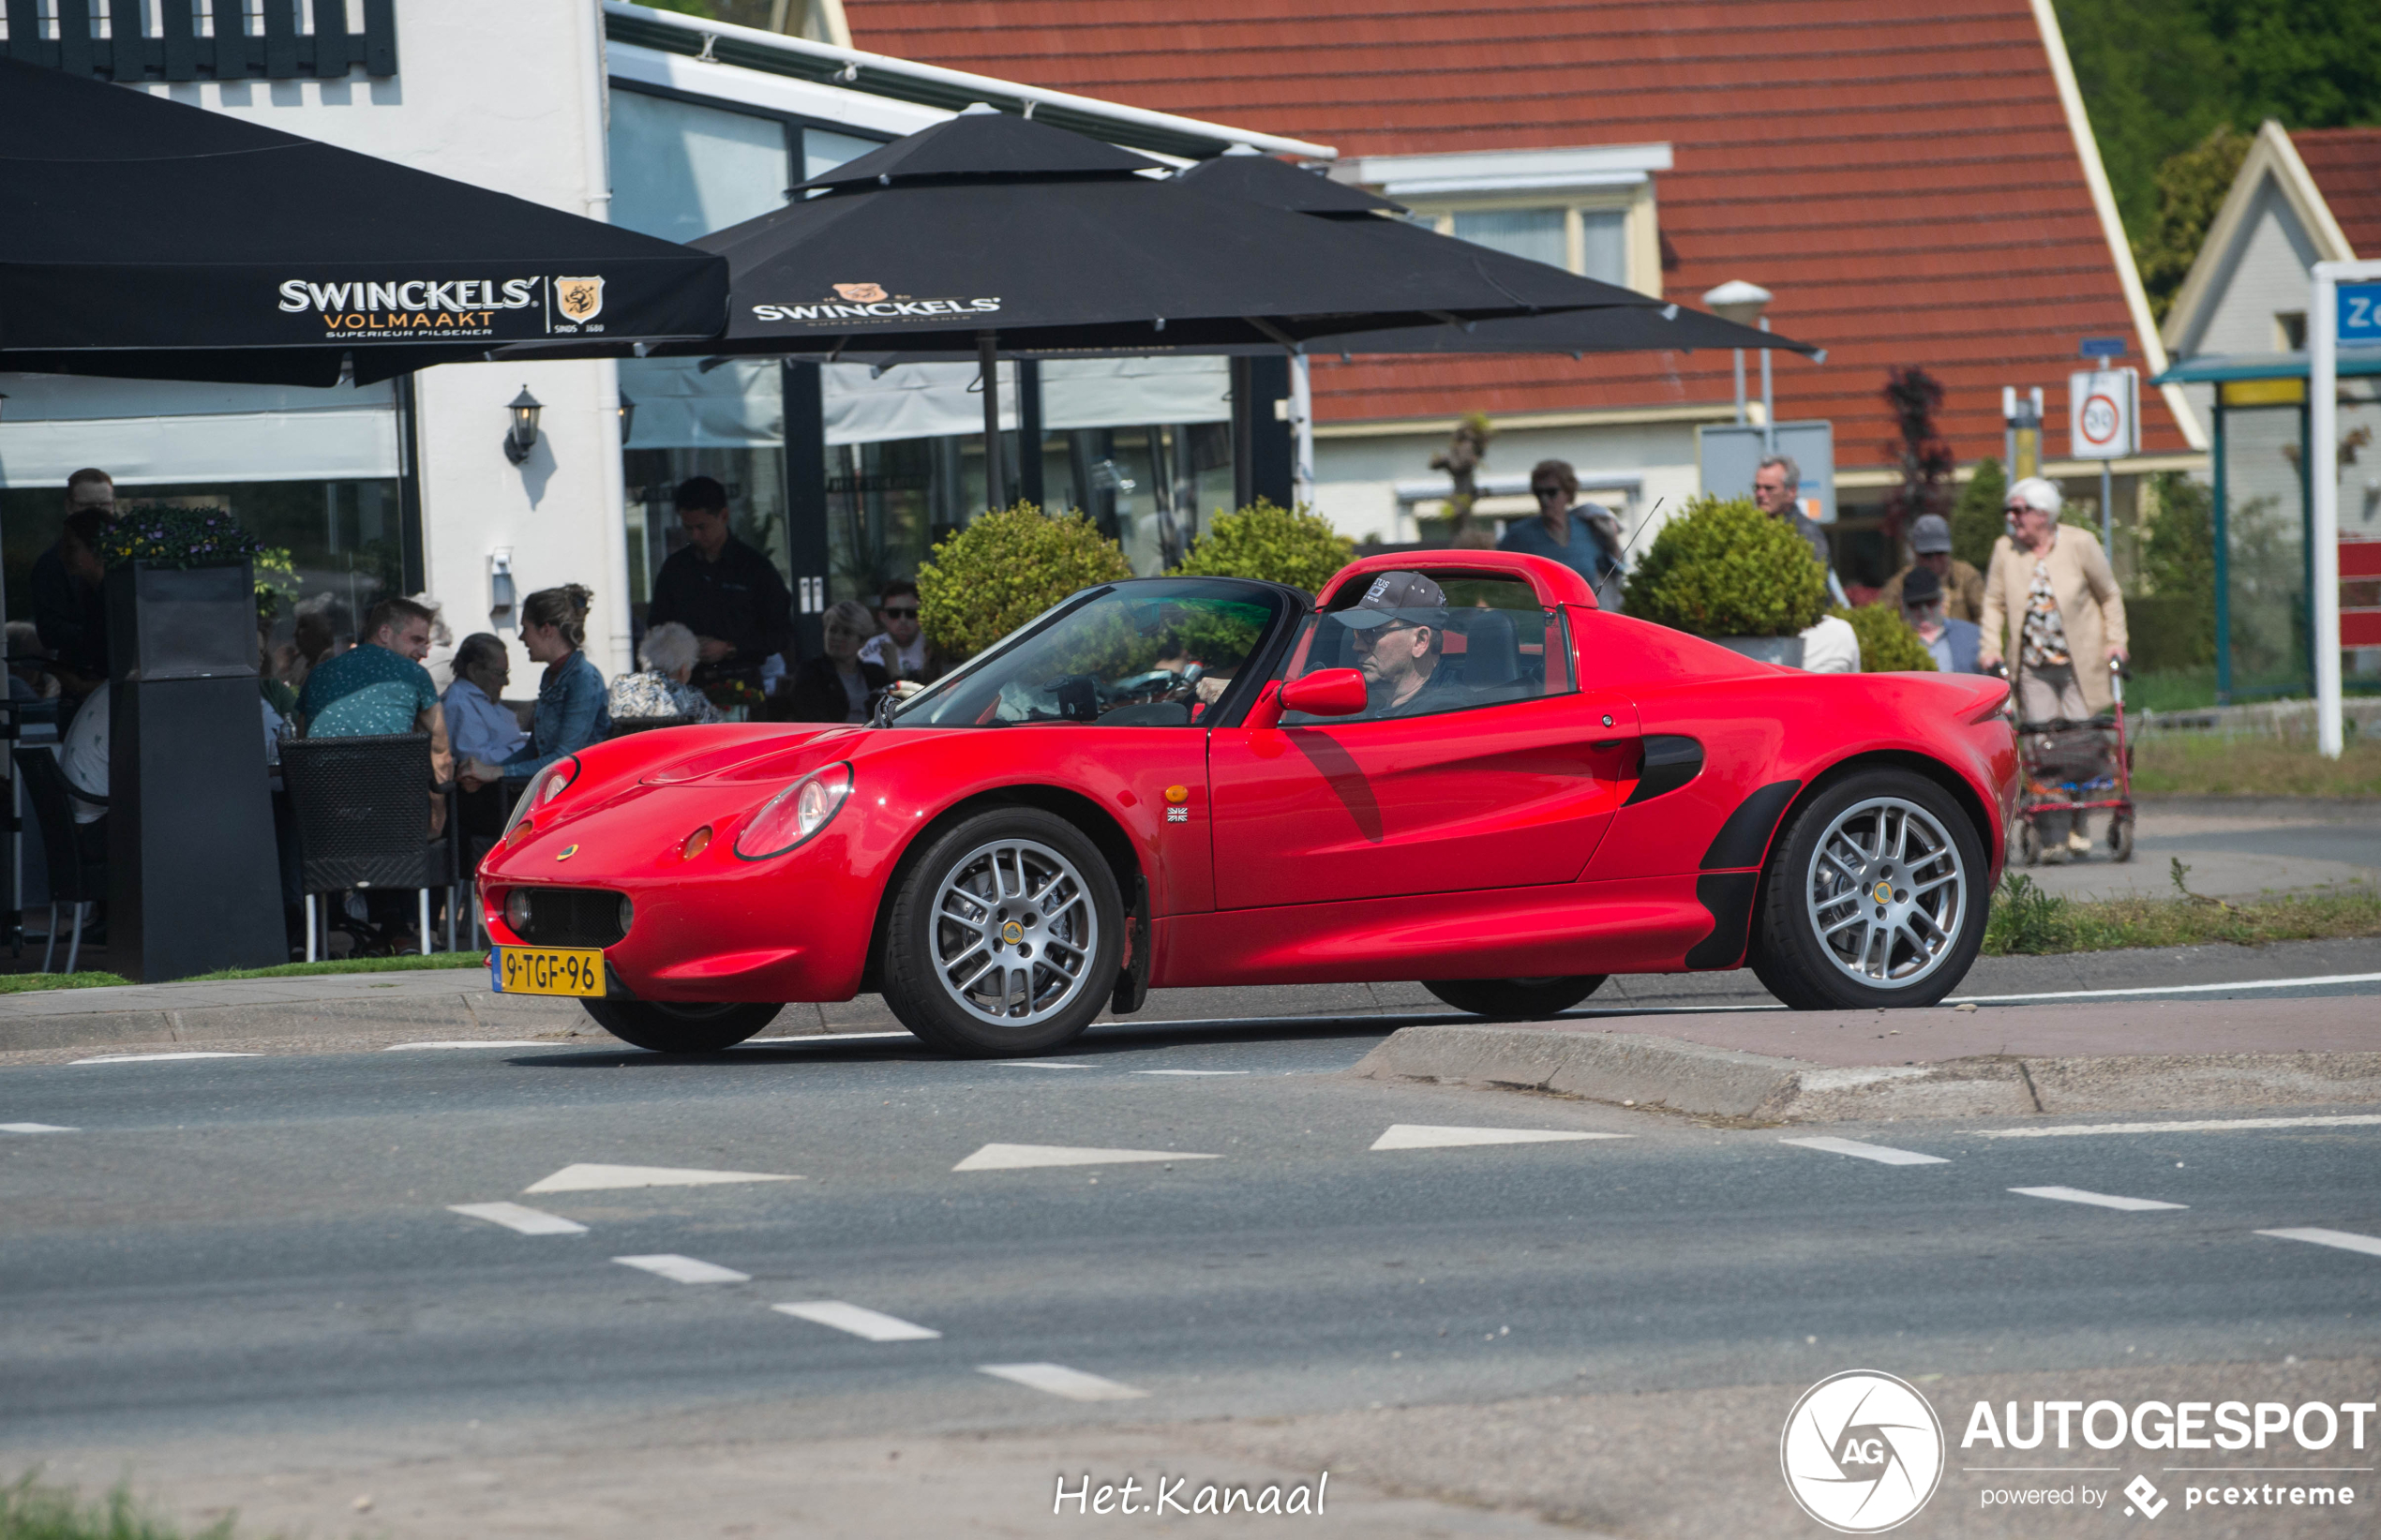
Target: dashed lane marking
[
  {"x": 472, "y": 1043},
  {"x": 1884, "y": 1155},
  {"x": 2097, "y": 1200},
  {"x": 36, "y": 1127},
  {"x": 1431, "y": 1136},
  {"x": 2213, "y": 1125},
  {"x": 1021, "y": 1156},
  {"x": 593, "y": 1178},
  {"x": 1190, "y": 1071},
  {"x": 2168, "y": 989},
  {"x": 873, "y": 1324},
  {"x": 160, "y": 1058},
  {"x": 1037, "y": 1064},
  {"x": 528, "y": 1221},
  {"x": 678, "y": 1269},
  {"x": 2346, "y": 1240},
  {"x": 1058, "y": 1380}
]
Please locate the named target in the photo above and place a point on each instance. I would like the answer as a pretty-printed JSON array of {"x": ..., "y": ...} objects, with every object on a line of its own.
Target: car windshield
[{"x": 1155, "y": 652}]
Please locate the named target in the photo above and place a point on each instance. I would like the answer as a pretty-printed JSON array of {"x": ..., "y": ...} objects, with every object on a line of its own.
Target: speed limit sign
[{"x": 2104, "y": 415}]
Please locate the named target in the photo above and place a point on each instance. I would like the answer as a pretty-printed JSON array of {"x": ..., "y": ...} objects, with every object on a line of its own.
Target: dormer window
[{"x": 1589, "y": 210}]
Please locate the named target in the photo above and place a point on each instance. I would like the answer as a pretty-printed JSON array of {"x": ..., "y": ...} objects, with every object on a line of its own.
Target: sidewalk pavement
[{"x": 2236, "y": 847}]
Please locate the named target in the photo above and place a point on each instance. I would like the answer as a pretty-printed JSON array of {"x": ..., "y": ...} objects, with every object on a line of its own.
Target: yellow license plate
[{"x": 547, "y": 971}]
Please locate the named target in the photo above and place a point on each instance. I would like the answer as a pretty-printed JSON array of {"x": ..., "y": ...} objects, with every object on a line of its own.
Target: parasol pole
[{"x": 988, "y": 360}]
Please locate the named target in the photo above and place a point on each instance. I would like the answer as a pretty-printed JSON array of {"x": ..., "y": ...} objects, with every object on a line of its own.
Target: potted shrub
[
  {"x": 1725, "y": 571},
  {"x": 1266, "y": 541},
  {"x": 1004, "y": 569},
  {"x": 1887, "y": 644},
  {"x": 189, "y": 810}
]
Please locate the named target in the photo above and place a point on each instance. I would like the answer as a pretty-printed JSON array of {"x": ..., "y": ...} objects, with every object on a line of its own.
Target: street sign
[
  {"x": 2104, "y": 415},
  {"x": 2359, "y": 312},
  {"x": 2106, "y": 349}
]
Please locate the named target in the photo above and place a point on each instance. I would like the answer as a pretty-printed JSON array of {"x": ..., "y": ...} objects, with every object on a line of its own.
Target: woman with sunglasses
[{"x": 901, "y": 649}]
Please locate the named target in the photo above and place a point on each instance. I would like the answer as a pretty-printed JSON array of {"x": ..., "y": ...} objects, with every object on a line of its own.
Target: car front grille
[{"x": 572, "y": 917}]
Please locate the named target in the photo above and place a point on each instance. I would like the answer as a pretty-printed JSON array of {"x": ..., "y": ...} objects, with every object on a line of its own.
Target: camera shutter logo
[
  {"x": 1861, "y": 1452},
  {"x": 581, "y": 299}
]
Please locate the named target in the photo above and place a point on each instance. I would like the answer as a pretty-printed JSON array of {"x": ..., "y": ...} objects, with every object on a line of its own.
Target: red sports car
[{"x": 1452, "y": 768}]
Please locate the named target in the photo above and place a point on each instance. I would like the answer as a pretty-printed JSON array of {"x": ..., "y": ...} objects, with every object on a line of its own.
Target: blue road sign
[
  {"x": 2360, "y": 312},
  {"x": 2102, "y": 347}
]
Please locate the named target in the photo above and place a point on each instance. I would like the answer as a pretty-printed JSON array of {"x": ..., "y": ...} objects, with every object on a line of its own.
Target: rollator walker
[{"x": 2068, "y": 767}]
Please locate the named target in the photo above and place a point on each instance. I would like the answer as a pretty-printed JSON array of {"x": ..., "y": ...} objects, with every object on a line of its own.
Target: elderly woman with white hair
[
  {"x": 670, "y": 655},
  {"x": 2052, "y": 606}
]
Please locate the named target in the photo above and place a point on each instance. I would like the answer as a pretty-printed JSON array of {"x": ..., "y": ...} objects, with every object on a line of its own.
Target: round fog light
[
  {"x": 516, "y": 910},
  {"x": 627, "y": 913}
]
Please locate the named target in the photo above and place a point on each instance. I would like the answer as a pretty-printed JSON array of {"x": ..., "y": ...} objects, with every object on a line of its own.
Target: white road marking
[
  {"x": 471, "y": 1042},
  {"x": 1190, "y": 1071},
  {"x": 36, "y": 1127},
  {"x": 1431, "y": 1136},
  {"x": 2346, "y": 1240},
  {"x": 873, "y": 1324},
  {"x": 2098, "y": 1200},
  {"x": 1058, "y": 1380},
  {"x": 825, "y": 1036},
  {"x": 1019, "y": 1156},
  {"x": 2168, "y": 989},
  {"x": 2213, "y": 1125},
  {"x": 679, "y": 1269},
  {"x": 528, "y": 1221},
  {"x": 160, "y": 1058},
  {"x": 590, "y": 1178},
  {"x": 1882, "y": 1154},
  {"x": 1038, "y": 1064}
]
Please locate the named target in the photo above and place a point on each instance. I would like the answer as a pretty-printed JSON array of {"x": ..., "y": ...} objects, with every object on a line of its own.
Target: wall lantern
[
  {"x": 627, "y": 417},
  {"x": 522, "y": 437}
]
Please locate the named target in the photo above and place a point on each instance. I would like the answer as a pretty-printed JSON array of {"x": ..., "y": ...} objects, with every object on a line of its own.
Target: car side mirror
[{"x": 1327, "y": 692}]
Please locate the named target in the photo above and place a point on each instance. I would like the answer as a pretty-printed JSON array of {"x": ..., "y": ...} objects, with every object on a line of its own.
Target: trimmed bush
[
  {"x": 1274, "y": 544},
  {"x": 1006, "y": 568},
  {"x": 1887, "y": 645},
  {"x": 1976, "y": 520},
  {"x": 1724, "y": 568}
]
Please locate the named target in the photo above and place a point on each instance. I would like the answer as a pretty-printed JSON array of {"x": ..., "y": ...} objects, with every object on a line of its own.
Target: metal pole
[
  {"x": 2324, "y": 426},
  {"x": 988, "y": 359},
  {"x": 2107, "y": 525},
  {"x": 2224, "y": 558},
  {"x": 1768, "y": 403},
  {"x": 1740, "y": 387},
  {"x": 1302, "y": 431}
]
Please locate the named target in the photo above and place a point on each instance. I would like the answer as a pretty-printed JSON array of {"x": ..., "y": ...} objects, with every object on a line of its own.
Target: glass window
[
  {"x": 1605, "y": 244},
  {"x": 1157, "y": 652},
  {"x": 1533, "y": 232},
  {"x": 680, "y": 169},
  {"x": 1495, "y": 644},
  {"x": 823, "y": 150},
  {"x": 728, "y": 423}
]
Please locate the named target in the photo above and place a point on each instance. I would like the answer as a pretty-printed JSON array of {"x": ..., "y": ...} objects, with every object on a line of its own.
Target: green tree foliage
[
  {"x": 1887, "y": 645},
  {"x": 2191, "y": 186},
  {"x": 1006, "y": 568},
  {"x": 1269, "y": 542},
  {"x": 1724, "y": 568},
  {"x": 1976, "y": 520},
  {"x": 2173, "y": 620}
]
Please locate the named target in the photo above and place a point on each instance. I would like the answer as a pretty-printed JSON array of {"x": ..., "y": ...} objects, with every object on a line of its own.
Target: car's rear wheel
[
  {"x": 1006, "y": 936},
  {"x": 1516, "y": 999},
  {"x": 1874, "y": 896},
  {"x": 667, "y": 1029}
]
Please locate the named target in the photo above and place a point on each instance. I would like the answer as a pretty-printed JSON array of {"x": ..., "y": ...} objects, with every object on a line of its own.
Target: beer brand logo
[
  {"x": 581, "y": 299},
  {"x": 860, "y": 293}
]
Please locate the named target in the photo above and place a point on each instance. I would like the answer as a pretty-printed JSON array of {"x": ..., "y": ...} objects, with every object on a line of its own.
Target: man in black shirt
[
  {"x": 1399, "y": 627},
  {"x": 65, "y": 580},
  {"x": 722, "y": 590}
]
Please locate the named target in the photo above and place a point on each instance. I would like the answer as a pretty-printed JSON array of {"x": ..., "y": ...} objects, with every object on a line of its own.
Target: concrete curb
[
  {"x": 1685, "y": 1077},
  {"x": 475, "y": 1014}
]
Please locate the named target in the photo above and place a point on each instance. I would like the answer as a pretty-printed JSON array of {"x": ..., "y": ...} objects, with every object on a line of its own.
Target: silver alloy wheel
[
  {"x": 1886, "y": 892},
  {"x": 1015, "y": 932}
]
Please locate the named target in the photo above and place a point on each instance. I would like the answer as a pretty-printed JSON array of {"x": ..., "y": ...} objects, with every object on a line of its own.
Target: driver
[{"x": 1399, "y": 628}]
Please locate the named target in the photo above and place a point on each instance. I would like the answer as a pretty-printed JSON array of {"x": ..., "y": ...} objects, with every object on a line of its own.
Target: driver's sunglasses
[{"x": 889, "y": 613}]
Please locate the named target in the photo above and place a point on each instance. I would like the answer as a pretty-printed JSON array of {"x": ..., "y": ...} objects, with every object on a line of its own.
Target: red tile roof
[
  {"x": 2345, "y": 164},
  {"x": 1902, "y": 179}
]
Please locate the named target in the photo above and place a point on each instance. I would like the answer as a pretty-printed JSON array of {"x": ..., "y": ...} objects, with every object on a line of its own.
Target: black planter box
[{"x": 193, "y": 876}]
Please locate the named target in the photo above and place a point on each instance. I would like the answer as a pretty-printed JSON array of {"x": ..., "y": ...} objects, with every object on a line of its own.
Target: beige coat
[{"x": 2089, "y": 607}]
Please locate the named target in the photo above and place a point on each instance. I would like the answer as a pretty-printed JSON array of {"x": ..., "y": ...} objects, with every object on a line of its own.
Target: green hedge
[
  {"x": 1274, "y": 544},
  {"x": 1726, "y": 569},
  {"x": 1887, "y": 645},
  {"x": 1006, "y": 568}
]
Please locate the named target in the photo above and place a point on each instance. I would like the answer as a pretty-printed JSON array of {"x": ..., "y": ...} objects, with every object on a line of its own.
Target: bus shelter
[{"x": 2265, "y": 516}]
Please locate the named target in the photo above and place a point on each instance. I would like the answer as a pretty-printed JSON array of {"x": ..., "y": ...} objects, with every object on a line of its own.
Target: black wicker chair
[
  {"x": 362, "y": 810},
  {"x": 78, "y": 873}
]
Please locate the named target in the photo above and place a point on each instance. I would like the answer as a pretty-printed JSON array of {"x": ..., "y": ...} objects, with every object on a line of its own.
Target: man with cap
[
  {"x": 1399, "y": 627},
  {"x": 1963, "y": 586},
  {"x": 1952, "y": 642}
]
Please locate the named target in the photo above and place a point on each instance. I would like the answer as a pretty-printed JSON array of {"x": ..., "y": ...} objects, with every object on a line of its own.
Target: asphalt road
[{"x": 264, "y": 1249}]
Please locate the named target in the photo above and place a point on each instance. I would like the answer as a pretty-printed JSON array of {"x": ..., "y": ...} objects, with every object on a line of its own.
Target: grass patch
[
  {"x": 2026, "y": 919},
  {"x": 29, "y": 1511},
  {"x": 2209, "y": 765},
  {"x": 20, "y": 983},
  {"x": 408, "y": 962}
]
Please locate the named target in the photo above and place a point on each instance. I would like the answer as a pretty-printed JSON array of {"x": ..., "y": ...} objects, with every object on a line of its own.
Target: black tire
[
  {"x": 1046, "y": 915},
  {"x": 667, "y": 1029},
  {"x": 2120, "y": 837},
  {"x": 1516, "y": 999},
  {"x": 1930, "y": 927}
]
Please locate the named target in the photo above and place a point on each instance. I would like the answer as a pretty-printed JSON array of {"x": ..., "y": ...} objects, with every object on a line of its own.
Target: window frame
[{"x": 1640, "y": 233}]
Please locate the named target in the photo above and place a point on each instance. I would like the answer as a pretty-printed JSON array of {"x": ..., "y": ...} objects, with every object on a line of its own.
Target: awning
[{"x": 2213, "y": 368}]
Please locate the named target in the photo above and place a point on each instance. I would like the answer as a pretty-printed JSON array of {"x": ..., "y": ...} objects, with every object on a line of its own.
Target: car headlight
[
  {"x": 543, "y": 787},
  {"x": 795, "y": 813},
  {"x": 516, "y": 910}
]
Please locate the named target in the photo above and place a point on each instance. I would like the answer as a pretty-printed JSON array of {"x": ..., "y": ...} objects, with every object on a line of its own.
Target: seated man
[
  {"x": 1951, "y": 641},
  {"x": 1399, "y": 630},
  {"x": 380, "y": 687},
  {"x": 482, "y": 727}
]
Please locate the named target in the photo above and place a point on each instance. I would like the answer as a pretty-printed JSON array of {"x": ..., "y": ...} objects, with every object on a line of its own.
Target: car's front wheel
[
  {"x": 1006, "y": 936},
  {"x": 667, "y": 1029},
  {"x": 1874, "y": 896},
  {"x": 1516, "y": 999}
]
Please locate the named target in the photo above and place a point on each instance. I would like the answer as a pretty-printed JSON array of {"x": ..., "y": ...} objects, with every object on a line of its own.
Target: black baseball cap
[
  {"x": 1406, "y": 596},
  {"x": 1920, "y": 586}
]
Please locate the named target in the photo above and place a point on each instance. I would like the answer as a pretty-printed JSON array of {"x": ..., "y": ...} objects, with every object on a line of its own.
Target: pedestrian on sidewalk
[
  {"x": 1583, "y": 536},
  {"x": 1963, "y": 586}
]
